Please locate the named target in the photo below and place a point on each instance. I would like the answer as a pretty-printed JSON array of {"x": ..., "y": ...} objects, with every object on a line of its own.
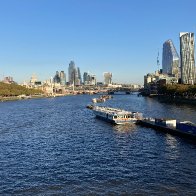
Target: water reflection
[
  {"x": 172, "y": 151},
  {"x": 171, "y": 141},
  {"x": 125, "y": 127}
]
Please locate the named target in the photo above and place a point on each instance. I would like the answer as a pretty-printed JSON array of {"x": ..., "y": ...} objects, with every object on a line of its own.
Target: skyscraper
[
  {"x": 71, "y": 71},
  {"x": 89, "y": 79},
  {"x": 107, "y": 78},
  {"x": 187, "y": 58},
  {"x": 85, "y": 78},
  {"x": 56, "y": 78},
  {"x": 170, "y": 59},
  {"x": 74, "y": 74},
  {"x": 62, "y": 78},
  {"x": 79, "y": 76}
]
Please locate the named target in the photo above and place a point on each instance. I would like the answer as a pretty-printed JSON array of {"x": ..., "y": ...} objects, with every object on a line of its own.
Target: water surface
[{"x": 56, "y": 147}]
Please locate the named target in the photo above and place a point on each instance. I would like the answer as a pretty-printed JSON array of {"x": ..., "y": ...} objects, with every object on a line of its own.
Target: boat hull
[
  {"x": 115, "y": 122},
  {"x": 115, "y": 116},
  {"x": 165, "y": 129}
]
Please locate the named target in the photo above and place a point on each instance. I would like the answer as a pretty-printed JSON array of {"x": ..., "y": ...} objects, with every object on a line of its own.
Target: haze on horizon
[{"x": 119, "y": 36}]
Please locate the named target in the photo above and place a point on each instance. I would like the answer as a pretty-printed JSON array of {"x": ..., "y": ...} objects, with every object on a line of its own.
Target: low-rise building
[{"x": 8, "y": 80}]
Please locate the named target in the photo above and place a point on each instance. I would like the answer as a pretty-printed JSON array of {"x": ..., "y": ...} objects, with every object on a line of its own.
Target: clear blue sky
[{"x": 119, "y": 36}]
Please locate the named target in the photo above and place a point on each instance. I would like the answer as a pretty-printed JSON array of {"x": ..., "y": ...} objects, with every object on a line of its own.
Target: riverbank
[
  {"x": 175, "y": 99},
  {"x": 18, "y": 98},
  {"x": 170, "y": 99}
]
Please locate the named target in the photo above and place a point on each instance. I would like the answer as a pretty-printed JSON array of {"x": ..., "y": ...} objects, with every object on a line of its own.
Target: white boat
[
  {"x": 94, "y": 100},
  {"x": 116, "y": 116},
  {"x": 98, "y": 100}
]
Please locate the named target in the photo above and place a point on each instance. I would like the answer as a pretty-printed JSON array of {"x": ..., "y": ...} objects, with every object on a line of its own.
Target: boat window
[{"x": 115, "y": 117}]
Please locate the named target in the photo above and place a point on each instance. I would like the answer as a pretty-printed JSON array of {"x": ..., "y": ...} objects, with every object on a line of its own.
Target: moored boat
[
  {"x": 94, "y": 100},
  {"x": 185, "y": 129},
  {"x": 90, "y": 107},
  {"x": 98, "y": 100},
  {"x": 116, "y": 116},
  {"x": 101, "y": 98}
]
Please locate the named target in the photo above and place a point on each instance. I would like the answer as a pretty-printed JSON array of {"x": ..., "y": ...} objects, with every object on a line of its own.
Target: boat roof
[{"x": 113, "y": 111}]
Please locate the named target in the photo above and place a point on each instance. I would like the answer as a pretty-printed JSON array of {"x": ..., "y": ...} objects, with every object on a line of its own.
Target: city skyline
[{"x": 122, "y": 37}]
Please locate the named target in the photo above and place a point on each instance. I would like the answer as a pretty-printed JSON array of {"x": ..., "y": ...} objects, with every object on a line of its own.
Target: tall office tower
[
  {"x": 71, "y": 71},
  {"x": 93, "y": 80},
  {"x": 56, "y": 78},
  {"x": 79, "y": 76},
  {"x": 85, "y": 78},
  {"x": 76, "y": 77},
  {"x": 62, "y": 78},
  {"x": 187, "y": 58},
  {"x": 170, "y": 59},
  {"x": 107, "y": 78}
]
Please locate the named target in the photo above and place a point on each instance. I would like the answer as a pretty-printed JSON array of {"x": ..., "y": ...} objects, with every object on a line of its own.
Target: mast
[
  {"x": 73, "y": 86},
  {"x": 158, "y": 61}
]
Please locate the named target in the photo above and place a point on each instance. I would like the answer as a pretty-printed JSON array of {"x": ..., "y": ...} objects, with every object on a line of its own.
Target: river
[{"x": 56, "y": 146}]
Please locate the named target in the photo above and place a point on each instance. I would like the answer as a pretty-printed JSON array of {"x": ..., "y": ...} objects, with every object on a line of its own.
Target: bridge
[{"x": 126, "y": 90}]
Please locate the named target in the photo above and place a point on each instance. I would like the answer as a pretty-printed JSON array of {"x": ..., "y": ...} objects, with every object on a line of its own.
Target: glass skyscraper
[
  {"x": 79, "y": 76},
  {"x": 71, "y": 72},
  {"x": 62, "y": 78},
  {"x": 187, "y": 47},
  {"x": 85, "y": 78},
  {"x": 170, "y": 59},
  {"x": 74, "y": 75}
]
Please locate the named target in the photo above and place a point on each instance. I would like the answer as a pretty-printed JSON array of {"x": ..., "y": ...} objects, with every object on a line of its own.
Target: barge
[
  {"x": 186, "y": 129},
  {"x": 101, "y": 98},
  {"x": 116, "y": 116}
]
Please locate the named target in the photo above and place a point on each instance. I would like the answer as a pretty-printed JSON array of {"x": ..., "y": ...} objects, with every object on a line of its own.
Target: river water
[{"x": 55, "y": 146}]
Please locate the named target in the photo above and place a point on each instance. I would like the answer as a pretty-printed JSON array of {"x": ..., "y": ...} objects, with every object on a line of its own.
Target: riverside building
[
  {"x": 89, "y": 79},
  {"x": 107, "y": 78},
  {"x": 187, "y": 45},
  {"x": 8, "y": 80},
  {"x": 56, "y": 78},
  {"x": 170, "y": 59},
  {"x": 60, "y": 78}
]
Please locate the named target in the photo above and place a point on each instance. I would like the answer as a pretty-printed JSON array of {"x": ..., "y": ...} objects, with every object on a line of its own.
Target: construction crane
[{"x": 158, "y": 64}]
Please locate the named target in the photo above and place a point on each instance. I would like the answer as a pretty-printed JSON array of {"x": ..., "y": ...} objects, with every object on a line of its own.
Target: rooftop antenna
[{"x": 158, "y": 61}]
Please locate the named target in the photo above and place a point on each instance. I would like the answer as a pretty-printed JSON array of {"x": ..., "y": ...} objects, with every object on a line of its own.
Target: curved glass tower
[{"x": 170, "y": 59}]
